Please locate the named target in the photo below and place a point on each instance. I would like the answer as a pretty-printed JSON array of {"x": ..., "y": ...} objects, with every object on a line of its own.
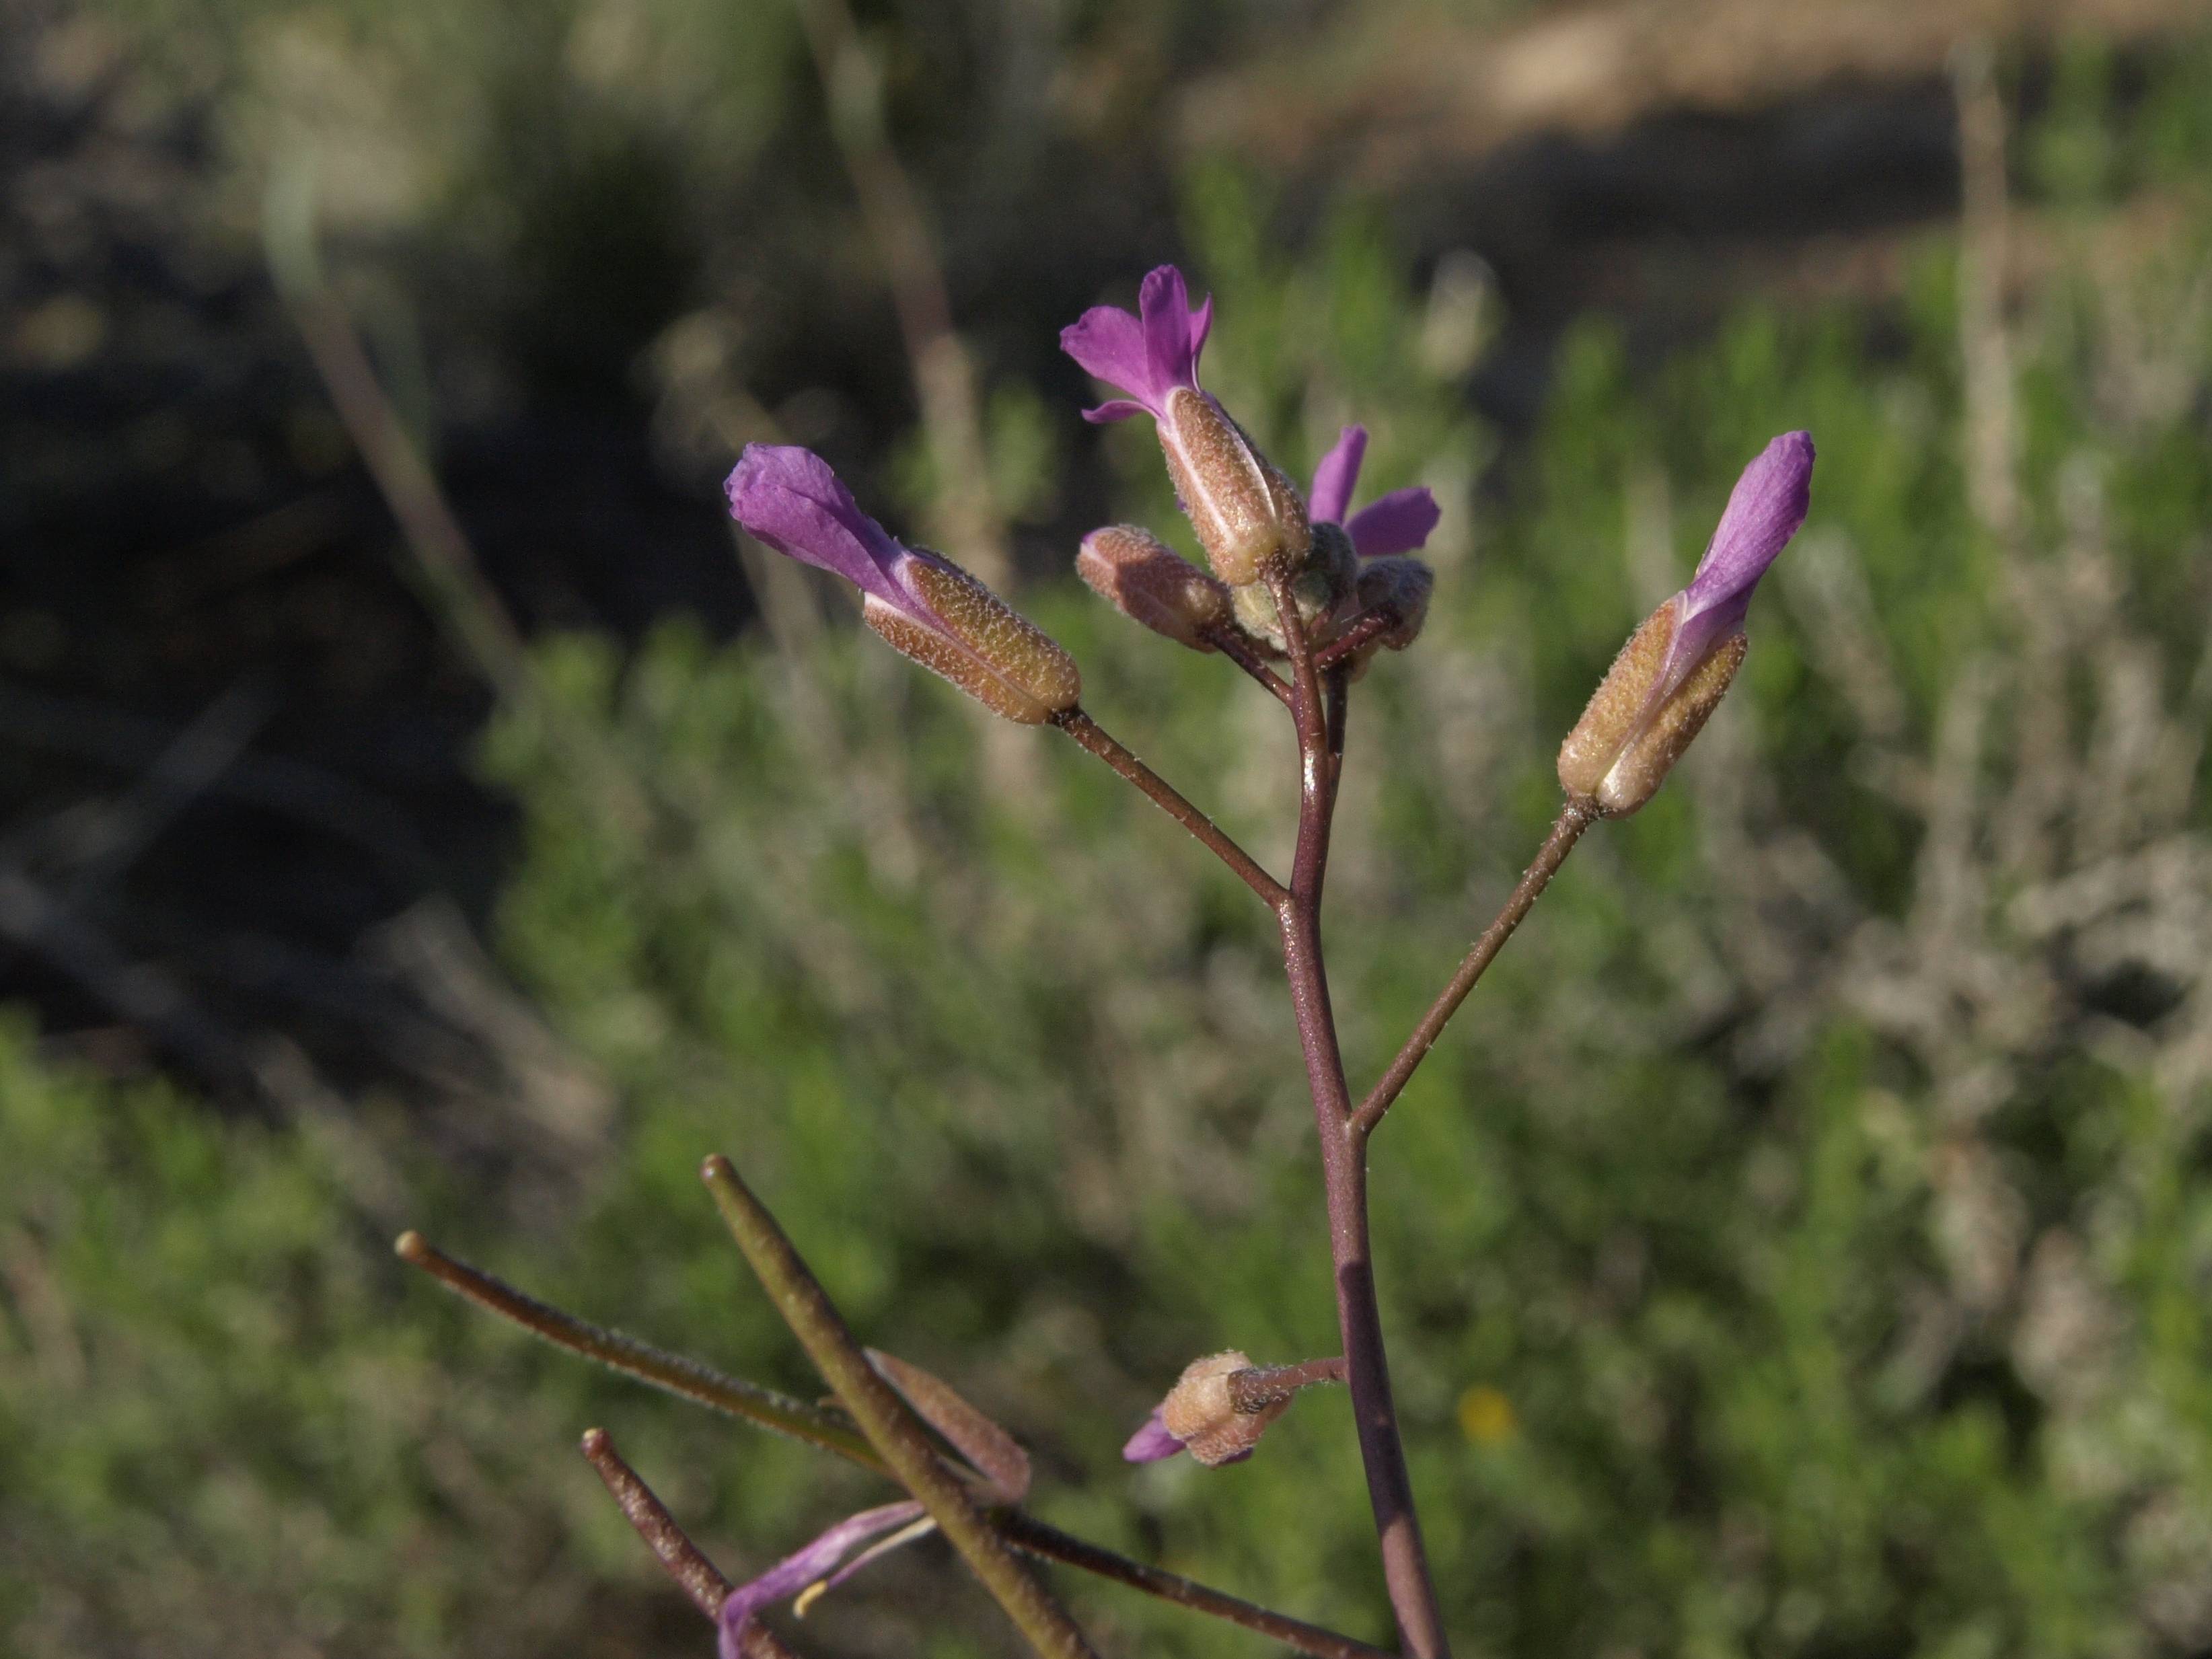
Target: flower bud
[
  {"x": 1675, "y": 668},
  {"x": 1404, "y": 584},
  {"x": 921, "y": 604},
  {"x": 1628, "y": 739},
  {"x": 1201, "y": 1411},
  {"x": 1246, "y": 514},
  {"x": 1323, "y": 581},
  {"x": 979, "y": 642},
  {"x": 1150, "y": 582}
]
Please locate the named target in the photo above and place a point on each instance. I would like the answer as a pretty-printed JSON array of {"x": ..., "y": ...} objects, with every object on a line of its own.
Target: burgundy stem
[
  {"x": 1035, "y": 1537},
  {"x": 1361, "y": 629},
  {"x": 698, "y": 1577},
  {"x": 1344, "y": 1163},
  {"x": 1574, "y": 816},
  {"x": 1261, "y": 1386},
  {"x": 1093, "y": 736},
  {"x": 1233, "y": 644}
]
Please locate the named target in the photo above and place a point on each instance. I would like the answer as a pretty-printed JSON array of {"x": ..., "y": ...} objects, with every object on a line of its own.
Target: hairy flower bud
[
  {"x": 980, "y": 643},
  {"x": 1626, "y": 741},
  {"x": 1402, "y": 584},
  {"x": 1201, "y": 1411},
  {"x": 1149, "y": 582},
  {"x": 921, "y": 603},
  {"x": 1675, "y": 668},
  {"x": 1246, "y": 514},
  {"x": 1320, "y": 584},
  {"x": 1405, "y": 584}
]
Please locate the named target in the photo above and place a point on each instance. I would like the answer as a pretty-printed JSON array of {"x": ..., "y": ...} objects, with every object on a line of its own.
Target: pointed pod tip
[
  {"x": 411, "y": 1247},
  {"x": 714, "y": 1169},
  {"x": 594, "y": 1443}
]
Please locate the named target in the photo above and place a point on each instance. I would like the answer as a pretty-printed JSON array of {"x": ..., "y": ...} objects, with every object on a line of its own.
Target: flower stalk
[{"x": 897, "y": 1437}]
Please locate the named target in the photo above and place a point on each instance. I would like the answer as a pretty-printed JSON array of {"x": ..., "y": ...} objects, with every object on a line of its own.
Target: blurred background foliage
[{"x": 1800, "y": 1245}]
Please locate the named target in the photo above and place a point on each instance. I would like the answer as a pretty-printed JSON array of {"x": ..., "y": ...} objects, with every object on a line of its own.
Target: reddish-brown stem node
[
  {"x": 1357, "y": 632},
  {"x": 1233, "y": 644}
]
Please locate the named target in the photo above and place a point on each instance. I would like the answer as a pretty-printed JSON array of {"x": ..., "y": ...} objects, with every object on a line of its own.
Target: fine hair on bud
[
  {"x": 985, "y": 647},
  {"x": 1404, "y": 586},
  {"x": 1631, "y": 735},
  {"x": 1247, "y": 515},
  {"x": 1150, "y": 582},
  {"x": 1201, "y": 1411},
  {"x": 1320, "y": 582}
]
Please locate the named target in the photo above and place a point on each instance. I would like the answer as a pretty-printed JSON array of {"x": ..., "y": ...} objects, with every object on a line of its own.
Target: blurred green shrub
[{"x": 1800, "y": 1245}]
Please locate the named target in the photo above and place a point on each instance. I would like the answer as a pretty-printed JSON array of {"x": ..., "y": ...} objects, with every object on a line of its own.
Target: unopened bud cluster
[{"x": 1258, "y": 532}]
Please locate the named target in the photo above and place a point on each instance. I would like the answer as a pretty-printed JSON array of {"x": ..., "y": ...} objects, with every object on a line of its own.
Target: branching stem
[
  {"x": 1233, "y": 644},
  {"x": 1574, "y": 818},
  {"x": 1344, "y": 1158},
  {"x": 1093, "y": 736},
  {"x": 896, "y": 1433},
  {"x": 707, "y": 1387}
]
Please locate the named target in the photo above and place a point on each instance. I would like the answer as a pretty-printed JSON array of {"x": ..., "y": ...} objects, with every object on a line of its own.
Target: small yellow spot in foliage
[{"x": 1487, "y": 1418}]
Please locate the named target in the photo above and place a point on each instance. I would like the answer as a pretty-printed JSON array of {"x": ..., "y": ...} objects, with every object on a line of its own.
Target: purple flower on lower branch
[
  {"x": 1246, "y": 513},
  {"x": 994, "y": 1461},
  {"x": 1400, "y": 522},
  {"x": 821, "y": 1565},
  {"x": 921, "y": 603},
  {"x": 1671, "y": 675}
]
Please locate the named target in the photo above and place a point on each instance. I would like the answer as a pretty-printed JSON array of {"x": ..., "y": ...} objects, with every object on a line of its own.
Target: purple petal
[
  {"x": 1114, "y": 409},
  {"x": 921, "y": 1527},
  {"x": 1398, "y": 522},
  {"x": 1147, "y": 355},
  {"x": 1201, "y": 324},
  {"x": 1109, "y": 345},
  {"x": 1336, "y": 476},
  {"x": 1173, "y": 333},
  {"x": 1768, "y": 503},
  {"x": 795, "y": 1573},
  {"x": 789, "y": 499},
  {"x": 1151, "y": 1442}
]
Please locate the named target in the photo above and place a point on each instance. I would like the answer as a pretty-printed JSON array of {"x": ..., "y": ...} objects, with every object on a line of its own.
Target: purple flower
[
  {"x": 1398, "y": 522},
  {"x": 996, "y": 1462},
  {"x": 1674, "y": 669},
  {"x": 1147, "y": 355},
  {"x": 1764, "y": 510},
  {"x": 790, "y": 500},
  {"x": 922, "y": 604},
  {"x": 1247, "y": 515},
  {"x": 816, "y": 1568}
]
